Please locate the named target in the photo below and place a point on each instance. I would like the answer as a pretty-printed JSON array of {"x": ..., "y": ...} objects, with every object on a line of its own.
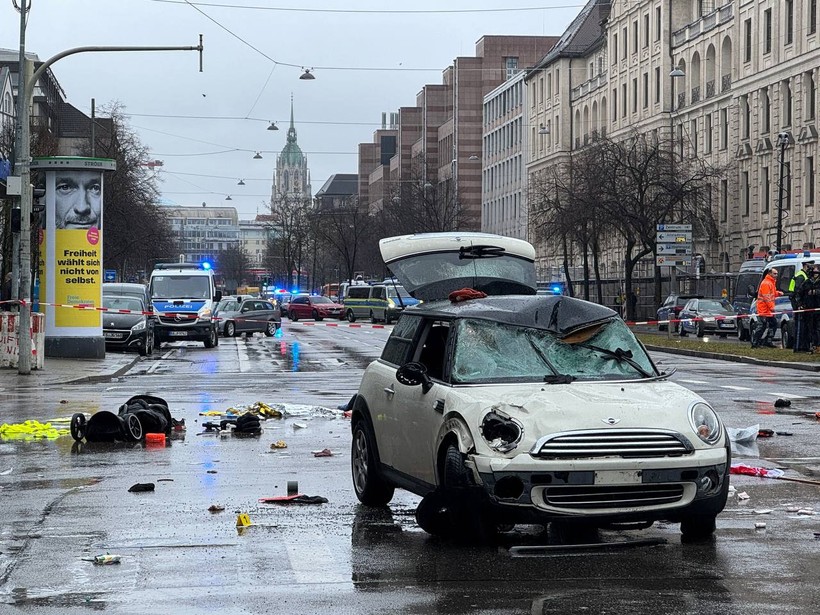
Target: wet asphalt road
[{"x": 62, "y": 503}]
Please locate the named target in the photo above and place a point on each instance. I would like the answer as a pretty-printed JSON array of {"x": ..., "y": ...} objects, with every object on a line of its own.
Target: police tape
[
  {"x": 718, "y": 319},
  {"x": 184, "y": 315}
]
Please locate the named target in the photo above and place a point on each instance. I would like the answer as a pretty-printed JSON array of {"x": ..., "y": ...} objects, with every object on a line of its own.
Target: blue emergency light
[{"x": 206, "y": 265}]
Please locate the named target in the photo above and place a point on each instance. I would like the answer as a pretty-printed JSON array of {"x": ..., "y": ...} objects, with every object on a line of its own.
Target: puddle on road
[
  {"x": 43, "y": 483},
  {"x": 92, "y": 600}
]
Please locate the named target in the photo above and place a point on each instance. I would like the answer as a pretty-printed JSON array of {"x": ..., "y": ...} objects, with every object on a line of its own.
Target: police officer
[
  {"x": 802, "y": 338},
  {"x": 810, "y": 300}
]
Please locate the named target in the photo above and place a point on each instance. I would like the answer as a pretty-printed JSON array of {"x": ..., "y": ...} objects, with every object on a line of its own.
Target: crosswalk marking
[
  {"x": 312, "y": 562},
  {"x": 694, "y": 381},
  {"x": 735, "y": 388}
]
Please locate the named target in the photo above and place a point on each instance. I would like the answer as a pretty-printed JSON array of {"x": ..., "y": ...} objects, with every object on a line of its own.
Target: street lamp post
[
  {"x": 783, "y": 140},
  {"x": 25, "y": 91}
]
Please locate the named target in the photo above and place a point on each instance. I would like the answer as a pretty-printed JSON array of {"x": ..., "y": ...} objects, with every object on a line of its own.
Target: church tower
[{"x": 291, "y": 181}]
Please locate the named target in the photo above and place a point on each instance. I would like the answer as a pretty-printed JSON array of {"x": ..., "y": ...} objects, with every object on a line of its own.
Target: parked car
[
  {"x": 380, "y": 302},
  {"x": 671, "y": 307},
  {"x": 282, "y": 302},
  {"x": 708, "y": 316},
  {"x": 785, "y": 325},
  {"x": 316, "y": 307},
  {"x": 249, "y": 316},
  {"x": 132, "y": 329},
  {"x": 516, "y": 408}
]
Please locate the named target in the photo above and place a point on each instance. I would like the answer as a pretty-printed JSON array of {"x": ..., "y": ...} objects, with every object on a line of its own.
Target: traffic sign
[
  {"x": 672, "y": 261},
  {"x": 681, "y": 249},
  {"x": 674, "y": 237},
  {"x": 674, "y": 227},
  {"x": 110, "y": 275}
]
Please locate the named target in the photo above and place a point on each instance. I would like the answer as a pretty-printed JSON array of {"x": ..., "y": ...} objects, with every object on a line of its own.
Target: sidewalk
[
  {"x": 808, "y": 367},
  {"x": 64, "y": 371}
]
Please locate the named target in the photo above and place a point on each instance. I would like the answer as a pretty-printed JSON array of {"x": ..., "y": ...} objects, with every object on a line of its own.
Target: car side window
[
  {"x": 299, "y": 300},
  {"x": 399, "y": 346},
  {"x": 784, "y": 278},
  {"x": 433, "y": 354}
]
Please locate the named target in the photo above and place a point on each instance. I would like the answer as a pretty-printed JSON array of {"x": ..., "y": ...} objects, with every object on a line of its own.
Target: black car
[
  {"x": 129, "y": 329},
  {"x": 671, "y": 307}
]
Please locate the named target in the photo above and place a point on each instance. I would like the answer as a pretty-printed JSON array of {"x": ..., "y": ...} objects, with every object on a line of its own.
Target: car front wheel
[
  {"x": 213, "y": 338},
  {"x": 293, "y": 316},
  {"x": 230, "y": 329},
  {"x": 351, "y": 317},
  {"x": 270, "y": 329},
  {"x": 370, "y": 487},
  {"x": 697, "y": 528}
]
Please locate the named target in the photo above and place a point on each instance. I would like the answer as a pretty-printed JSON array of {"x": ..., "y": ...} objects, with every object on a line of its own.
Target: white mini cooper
[{"x": 502, "y": 407}]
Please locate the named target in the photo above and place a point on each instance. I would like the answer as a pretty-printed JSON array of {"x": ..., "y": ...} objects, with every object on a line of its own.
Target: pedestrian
[
  {"x": 801, "y": 337},
  {"x": 767, "y": 323},
  {"x": 810, "y": 301}
]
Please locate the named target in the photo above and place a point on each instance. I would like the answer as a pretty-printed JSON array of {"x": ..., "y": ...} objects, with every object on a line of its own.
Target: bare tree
[
  {"x": 137, "y": 232},
  {"x": 233, "y": 263},
  {"x": 342, "y": 228},
  {"x": 287, "y": 248}
]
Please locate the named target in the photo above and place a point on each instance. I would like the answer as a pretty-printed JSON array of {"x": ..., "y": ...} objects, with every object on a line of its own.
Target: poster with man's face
[{"x": 77, "y": 199}]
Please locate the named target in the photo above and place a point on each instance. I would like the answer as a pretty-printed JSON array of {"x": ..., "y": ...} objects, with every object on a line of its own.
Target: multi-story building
[
  {"x": 732, "y": 83},
  {"x": 203, "y": 232},
  {"x": 439, "y": 140}
]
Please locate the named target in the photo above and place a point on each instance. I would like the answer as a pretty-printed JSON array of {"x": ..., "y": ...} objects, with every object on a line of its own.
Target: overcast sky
[{"x": 368, "y": 57}]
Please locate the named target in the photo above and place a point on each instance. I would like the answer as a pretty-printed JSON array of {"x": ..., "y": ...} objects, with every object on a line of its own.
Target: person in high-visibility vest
[{"x": 801, "y": 337}]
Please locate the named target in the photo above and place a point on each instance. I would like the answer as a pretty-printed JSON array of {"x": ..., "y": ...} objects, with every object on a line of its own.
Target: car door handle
[{"x": 389, "y": 391}]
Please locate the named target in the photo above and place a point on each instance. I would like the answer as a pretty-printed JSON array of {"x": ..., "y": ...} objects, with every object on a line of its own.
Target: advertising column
[{"x": 71, "y": 255}]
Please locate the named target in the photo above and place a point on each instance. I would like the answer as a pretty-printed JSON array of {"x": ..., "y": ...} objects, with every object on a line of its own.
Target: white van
[{"x": 787, "y": 265}]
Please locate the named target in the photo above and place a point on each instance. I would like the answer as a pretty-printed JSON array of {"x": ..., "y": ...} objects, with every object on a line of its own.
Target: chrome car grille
[
  {"x": 605, "y": 497},
  {"x": 631, "y": 443}
]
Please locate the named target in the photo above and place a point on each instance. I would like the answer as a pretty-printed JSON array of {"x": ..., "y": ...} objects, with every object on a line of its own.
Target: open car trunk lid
[{"x": 432, "y": 265}]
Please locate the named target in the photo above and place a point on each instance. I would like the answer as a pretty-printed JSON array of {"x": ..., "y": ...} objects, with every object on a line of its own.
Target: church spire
[{"x": 292, "y": 129}]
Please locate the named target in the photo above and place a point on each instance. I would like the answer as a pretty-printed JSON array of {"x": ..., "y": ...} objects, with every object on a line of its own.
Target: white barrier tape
[{"x": 714, "y": 318}]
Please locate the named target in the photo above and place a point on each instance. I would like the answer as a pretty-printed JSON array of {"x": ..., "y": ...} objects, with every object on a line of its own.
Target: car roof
[{"x": 558, "y": 314}]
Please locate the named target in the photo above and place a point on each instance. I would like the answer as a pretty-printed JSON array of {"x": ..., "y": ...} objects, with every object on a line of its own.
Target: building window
[
  {"x": 625, "y": 42},
  {"x": 787, "y": 188},
  {"x": 511, "y": 64},
  {"x": 615, "y": 47},
  {"x": 707, "y": 143},
  {"x": 557, "y": 81},
  {"x": 645, "y": 90},
  {"x": 812, "y": 16},
  {"x": 635, "y": 95},
  {"x": 724, "y": 200},
  {"x": 747, "y": 116},
  {"x": 724, "y": 129},
  {"x": 787, "y": 103},
  {"x": 658, "y": 23},
  {"x": 767, "y": 190},
  {"x": 657, "y": 85},
  {"x": 646, "y": 30},
  {"x": 766, "y": 111},
  {"x": 789, "y": 9},
  {"x": 624, "y": 99},
  {"x": 615, "y": 103},
  {"x": 747, "y": 38},
  {"x": 767, "y": 31},
  {"x": 811, "y": 95},
  {"x": 810, "y": 181},
  {"x": 693, "y": 136},
  {"x": 635, "y": 36},
  {"x": 746, "y": 196}
]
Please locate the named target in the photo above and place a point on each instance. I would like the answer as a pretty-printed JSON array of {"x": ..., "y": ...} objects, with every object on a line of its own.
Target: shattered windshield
[{"x": 489, "y": 351}]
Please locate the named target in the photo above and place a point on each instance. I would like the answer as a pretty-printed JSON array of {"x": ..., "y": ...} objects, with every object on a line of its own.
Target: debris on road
[
  {"x": 746, "y": 434},
  {"x": 30, "y": 430},
  {"x": 215, "y": 508},
  {"x": 299, "y": 425},
  {"x": 782, "y": 403},
  {"x": 105, "y": 560},
  {"x": 753, "y": 471},
  {"x": 760, "y": 526},
  {"x": 279, "y": 444},
  {"x": 141, "y": 487},
  {"x": 742, "y": 496},
  {"x": 299, "y": 498},
  {"x": 326, "y": 452}
]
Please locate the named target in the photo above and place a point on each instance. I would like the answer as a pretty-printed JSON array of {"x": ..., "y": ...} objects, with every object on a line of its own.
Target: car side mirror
[
  {"x": 218, "y": 295},
  {"x": 414, "y": 374}
]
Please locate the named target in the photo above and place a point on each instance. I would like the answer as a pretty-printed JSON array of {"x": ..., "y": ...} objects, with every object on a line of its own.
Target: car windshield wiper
[
  {"x": 482, "y": 251},
  {"x": 620, "y": 355},
  {"x": 554, "y": 377}
]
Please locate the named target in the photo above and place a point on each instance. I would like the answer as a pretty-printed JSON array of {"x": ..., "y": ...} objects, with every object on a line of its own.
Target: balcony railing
[
  {"x": 588, "y": 86},
  {"x": 703, "y": 25},
  {"x": 681, "y": 99},
  {"x": 695, "y": 94},
  {"x": 725, "y": 83},
  {"x": 710, "y": 88}
]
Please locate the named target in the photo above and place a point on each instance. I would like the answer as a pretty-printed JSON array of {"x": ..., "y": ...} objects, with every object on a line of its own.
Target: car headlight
[
  {"x": 391, "y": 303},
  {"x": 705, "y": 422},
  {"x": 139, "y": 326},
  {"x": 204, "y": 313},
  {"x": 502, "y": 432}
]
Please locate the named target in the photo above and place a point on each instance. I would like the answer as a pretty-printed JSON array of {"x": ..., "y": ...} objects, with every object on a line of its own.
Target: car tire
[
  {"x": 149, "y": 350},
  {"x": 230, "y": 329},
  {"x": 213, "y": 338},
  {"x": 699, "y": 329},
  {"x": 743, "y": 334},
  {"x": 697, "y": 528},
  {"x": 316, "y": 316},
  {"x": 433, "y": 514},
  {"x": 682, "y": 331},
  {"x": 293, "y": 316},
  {"x": 470, "y": 519},
  {"x": 351, "y": 317},
  {"x": 370, "y": 487},
  {"x": 786, "y": 338},
  {"x": 373, "y": 319},
  {"x": 662, "y": 327},
  {"x": 270, "y": 329},
  {"x": 143, "y": 350}
]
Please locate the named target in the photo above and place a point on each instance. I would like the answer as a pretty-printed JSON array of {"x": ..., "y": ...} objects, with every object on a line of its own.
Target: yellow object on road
[{"x": 29, "y": 430}]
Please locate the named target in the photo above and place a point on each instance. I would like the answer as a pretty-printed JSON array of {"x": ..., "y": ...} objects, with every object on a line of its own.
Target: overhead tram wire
[{"x": 223, "y": 5}]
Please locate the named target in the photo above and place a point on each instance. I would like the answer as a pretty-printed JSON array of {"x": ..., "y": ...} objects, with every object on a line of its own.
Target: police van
[
  {"x": 184, "y": 296},
  {"x": 380, "y": 302},
  {"x": 787, "y": 265}
]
